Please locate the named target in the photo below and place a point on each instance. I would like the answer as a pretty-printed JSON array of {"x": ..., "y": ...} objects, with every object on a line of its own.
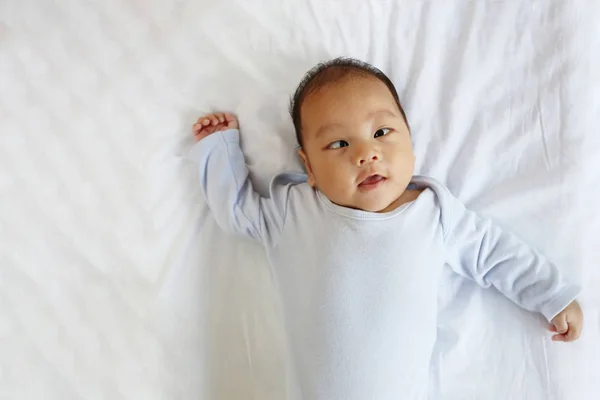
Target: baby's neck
[{"x": 406, "y": 197}]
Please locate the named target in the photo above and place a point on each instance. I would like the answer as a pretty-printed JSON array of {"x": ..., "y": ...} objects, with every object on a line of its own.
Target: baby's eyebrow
[
  {"x": 323, "y": 129},
  {"x": 385, "y": 111}
]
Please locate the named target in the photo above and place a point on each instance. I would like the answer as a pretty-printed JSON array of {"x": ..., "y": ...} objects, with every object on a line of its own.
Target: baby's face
[{"x": 356, "y": 145}]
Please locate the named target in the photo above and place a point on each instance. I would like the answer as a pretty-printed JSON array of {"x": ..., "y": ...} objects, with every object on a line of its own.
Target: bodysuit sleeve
[
  {"x": 229, "y": 193},
  {"x": 480, "y": 250}
]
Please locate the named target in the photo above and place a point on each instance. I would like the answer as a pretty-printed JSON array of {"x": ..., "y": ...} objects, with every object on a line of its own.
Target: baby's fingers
[
  {"x": 200, "y": 124},
  {"x": 574, "y": 332},
  {"x": 220, "y": 117},
  {"x": 559, "y": 338},
  {"x": 232, "y": 121},
  {"x": 214, "y": 120}
]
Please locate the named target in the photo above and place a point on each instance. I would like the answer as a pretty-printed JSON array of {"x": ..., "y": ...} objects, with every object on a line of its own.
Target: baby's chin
[{"x": 376, "y": 201}]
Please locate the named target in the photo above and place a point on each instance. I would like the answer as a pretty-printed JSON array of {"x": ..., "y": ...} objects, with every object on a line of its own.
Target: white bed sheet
[{"x": 115, "y": 281}]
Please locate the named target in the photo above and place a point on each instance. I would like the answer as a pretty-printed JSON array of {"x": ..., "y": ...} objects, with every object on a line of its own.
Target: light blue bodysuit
[{"x": 359, "y": 289}]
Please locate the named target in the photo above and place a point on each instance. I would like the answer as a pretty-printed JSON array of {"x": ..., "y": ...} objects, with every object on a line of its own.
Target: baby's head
[{"x": 353, "y": 135}]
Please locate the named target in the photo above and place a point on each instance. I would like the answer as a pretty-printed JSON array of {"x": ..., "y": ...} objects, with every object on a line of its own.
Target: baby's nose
[{"x": 366, "y": 155}]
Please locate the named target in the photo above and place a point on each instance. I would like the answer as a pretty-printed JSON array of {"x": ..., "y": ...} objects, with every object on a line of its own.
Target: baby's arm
[
  {"x": 225, "y": 185},
  {"x": 482, "y": 251}
]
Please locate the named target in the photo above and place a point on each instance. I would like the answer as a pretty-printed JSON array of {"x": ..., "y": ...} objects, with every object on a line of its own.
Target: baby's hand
[
  {"x": 567, "y": 324},
  {"x": 212, "y": 123}
]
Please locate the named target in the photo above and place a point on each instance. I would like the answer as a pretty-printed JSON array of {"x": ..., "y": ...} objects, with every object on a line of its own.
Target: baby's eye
[
  {"x": 381, "y": 132},
  {"x": 338, "y": 144}
]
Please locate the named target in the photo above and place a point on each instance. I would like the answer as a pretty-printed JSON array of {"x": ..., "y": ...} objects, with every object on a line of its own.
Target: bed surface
[{"x": 116, "y": 283}]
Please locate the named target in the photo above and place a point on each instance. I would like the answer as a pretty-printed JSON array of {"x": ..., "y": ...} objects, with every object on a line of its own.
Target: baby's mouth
[{"x": 371, "y": 180}]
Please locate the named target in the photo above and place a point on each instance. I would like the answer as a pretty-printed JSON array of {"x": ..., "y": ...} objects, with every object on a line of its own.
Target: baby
[{"x": 357, "y": 244}]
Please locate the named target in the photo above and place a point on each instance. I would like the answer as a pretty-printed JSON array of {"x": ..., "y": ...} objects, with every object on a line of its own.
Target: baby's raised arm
[{"x": 225, "y": 185}]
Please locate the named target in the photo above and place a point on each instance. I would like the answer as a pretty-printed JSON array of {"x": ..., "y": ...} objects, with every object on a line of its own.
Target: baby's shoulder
[
  {"x": 436, "y": 188},
  {"x": 291, "y": 185},
  {"x": 288, "y": 179}
]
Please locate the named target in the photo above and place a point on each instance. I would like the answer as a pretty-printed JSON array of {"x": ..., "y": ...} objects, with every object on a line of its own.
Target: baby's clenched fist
[
  {"x": 567, "y": 324},
  {"x": 212, "y": 123}
]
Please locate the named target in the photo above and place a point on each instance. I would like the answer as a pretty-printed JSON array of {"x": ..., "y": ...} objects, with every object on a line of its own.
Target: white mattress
[{"x": 115, "y": 282}]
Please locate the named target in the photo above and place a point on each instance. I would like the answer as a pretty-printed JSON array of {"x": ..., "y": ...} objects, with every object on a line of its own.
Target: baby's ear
[{"x": 311, "y": 178}]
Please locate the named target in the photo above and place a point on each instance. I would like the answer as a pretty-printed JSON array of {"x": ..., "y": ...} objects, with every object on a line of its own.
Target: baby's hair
[{"x": 333, "y": 71}]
